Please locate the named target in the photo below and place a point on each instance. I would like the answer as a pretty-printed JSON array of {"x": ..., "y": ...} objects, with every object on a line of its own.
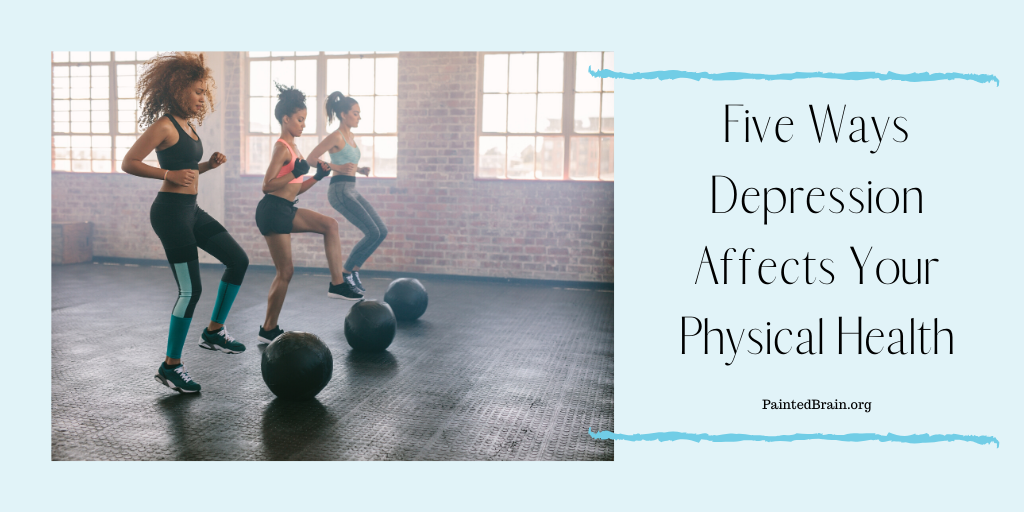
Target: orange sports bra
[{"x": 288, "y": 167}]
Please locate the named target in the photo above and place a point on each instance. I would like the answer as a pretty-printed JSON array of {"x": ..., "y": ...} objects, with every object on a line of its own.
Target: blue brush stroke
[
  {"x": 864, "y": 75},
  {"x": 852, "y": 438}
]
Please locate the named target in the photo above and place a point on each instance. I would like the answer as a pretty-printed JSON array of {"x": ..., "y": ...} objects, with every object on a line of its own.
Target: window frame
[
  {"x": 321, "y": 93},
  {"x": 568, "y": 131},
  {"x": 112, "y": 111}
]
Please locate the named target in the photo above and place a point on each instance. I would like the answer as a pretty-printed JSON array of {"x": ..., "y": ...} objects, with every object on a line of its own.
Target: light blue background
[{"x": 962, "y": 151}]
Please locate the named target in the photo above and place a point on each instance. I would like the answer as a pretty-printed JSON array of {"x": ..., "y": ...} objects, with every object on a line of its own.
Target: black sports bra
[{"x": 185, "y": 154}]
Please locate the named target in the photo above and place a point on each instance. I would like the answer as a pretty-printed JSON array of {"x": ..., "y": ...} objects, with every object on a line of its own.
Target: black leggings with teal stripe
[{"x": 184, "y": 228}]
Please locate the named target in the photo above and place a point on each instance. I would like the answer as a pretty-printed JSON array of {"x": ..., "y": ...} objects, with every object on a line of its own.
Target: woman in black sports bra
[{"x": 173, "y": 89}]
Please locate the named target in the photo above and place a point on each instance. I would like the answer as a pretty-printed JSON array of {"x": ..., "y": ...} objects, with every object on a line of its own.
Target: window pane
[
  {"x": 607, "y": 158},
  {"x": 306, "y": 54},
  {"x": 101, "y": 165},
  {"x": 256, "y": 55},
  {"x": 365, "y": 145},
  {"x": 551, "y": 72},
  {"x": 387, "y": 77},
  {"x": 62, "y": 165},
  {"x": 124, "y": 55},
  {"x": 361, "y": 77},
  {"x": 522, "y": 114},
  {"x": 282, "y": 54},
  {"x": 259, "y": 115},
  {"x": 608, "y": 113},
  {"x": 609, "y": 63},
  {"x": 496, "y": 73},
  {"x": 337, "y": 76},
  {"x": 100, "y": 56},
  {"x": 259, "y": 78},
  {"x": 60, "y": 56},
  {"x": 80, "y": 166},
  {"x": 282, "y": 72},
  {"x": 385, "y": 156},
  {"x": 522, "y": 73},
  {"x": 79, "y": 56},
  {"x": 492, "y": 157},
  {"x": 587, "y": 106},
  {"x": 584, "y": 157},
  {"x": 275, "y": 127},
  {"x": 305, "y": 77},
  {"x": 259, "y": 154},
  {"x": 365, "y": 114},
  {"x": 549, "y": 113},
  {"x": 144, "y": 55},
  {"x": 521, "y": 157},
  {"x": 550, "y": 157},
  {"x": 311, "y": 115},
  {"x": 494, "y": 113},
  {"x": 584, "y": 81},
  {"x": 306, "y": 143},
  {"x": 386, "y": 117}
]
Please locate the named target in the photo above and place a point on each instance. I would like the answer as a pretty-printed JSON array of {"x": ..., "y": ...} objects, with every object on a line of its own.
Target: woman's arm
[
  {"x": 329, "y": 142},
  {"x": 151, "y": 139},
  {"x": 216, "y": 159}
]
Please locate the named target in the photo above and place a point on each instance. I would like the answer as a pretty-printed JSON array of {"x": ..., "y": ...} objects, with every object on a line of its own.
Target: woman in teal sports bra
[{"x": 342, "y": 194}]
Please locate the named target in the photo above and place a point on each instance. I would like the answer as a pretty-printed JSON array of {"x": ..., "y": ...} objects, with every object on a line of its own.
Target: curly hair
[
  {"x": 289, "y": 101},
  {"x": 163, "y": 86}
]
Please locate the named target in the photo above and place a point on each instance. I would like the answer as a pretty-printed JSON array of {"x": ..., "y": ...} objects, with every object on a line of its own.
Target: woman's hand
[
  {"x": 322, "y": 170},
  {"x": 182, "y": 178},
  {"x": 217, "y": 159},
  {"x": 365, "y": 171}
]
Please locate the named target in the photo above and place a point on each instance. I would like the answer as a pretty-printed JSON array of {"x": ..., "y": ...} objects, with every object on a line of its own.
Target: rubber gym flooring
[{"x": 491, "y": 371}]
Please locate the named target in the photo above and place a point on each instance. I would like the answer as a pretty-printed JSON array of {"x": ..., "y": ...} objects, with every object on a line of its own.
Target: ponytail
[{"x": 338, "y": 104}]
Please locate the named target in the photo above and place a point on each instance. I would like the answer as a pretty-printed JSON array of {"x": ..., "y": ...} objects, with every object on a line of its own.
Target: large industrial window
[
  {"x": 544, "y": 117},
  {"x": 94, "y": 109}
]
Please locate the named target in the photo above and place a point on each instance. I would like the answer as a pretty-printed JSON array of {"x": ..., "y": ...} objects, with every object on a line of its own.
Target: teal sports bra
[{"x": 348, "y": 155}]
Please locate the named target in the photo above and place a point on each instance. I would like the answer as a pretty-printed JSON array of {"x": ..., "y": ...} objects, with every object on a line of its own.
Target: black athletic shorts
[{"x": 274, "y": 215}]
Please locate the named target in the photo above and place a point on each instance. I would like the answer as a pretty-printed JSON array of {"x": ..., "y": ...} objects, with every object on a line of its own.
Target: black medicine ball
[
  {"x": 370, "y": 326},
  {"x": 407, "y": 298},
  {"x": 297, "y": 365}
]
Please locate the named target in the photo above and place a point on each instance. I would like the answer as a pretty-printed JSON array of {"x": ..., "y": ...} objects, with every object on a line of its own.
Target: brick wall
[{"x": 440, "y": 219}]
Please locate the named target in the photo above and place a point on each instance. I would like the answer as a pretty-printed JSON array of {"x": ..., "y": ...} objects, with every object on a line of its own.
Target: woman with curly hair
[
  {"x": 278, "y": 217},
  {"x": 342, "y": 193},
  {"x": 175, "y": 89}
]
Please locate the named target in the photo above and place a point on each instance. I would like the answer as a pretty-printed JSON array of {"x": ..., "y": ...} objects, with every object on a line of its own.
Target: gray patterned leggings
[{"x": 350, "y": 203}]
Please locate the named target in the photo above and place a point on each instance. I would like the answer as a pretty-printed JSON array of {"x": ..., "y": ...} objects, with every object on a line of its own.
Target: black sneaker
[
  {"x": 271, "y": 335},
  {"x": 221, "y": 341},
  {"x": 357, "y": 282},
  {"x": 346, "y": 290},
  {"x": 176, "y": 378}
]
